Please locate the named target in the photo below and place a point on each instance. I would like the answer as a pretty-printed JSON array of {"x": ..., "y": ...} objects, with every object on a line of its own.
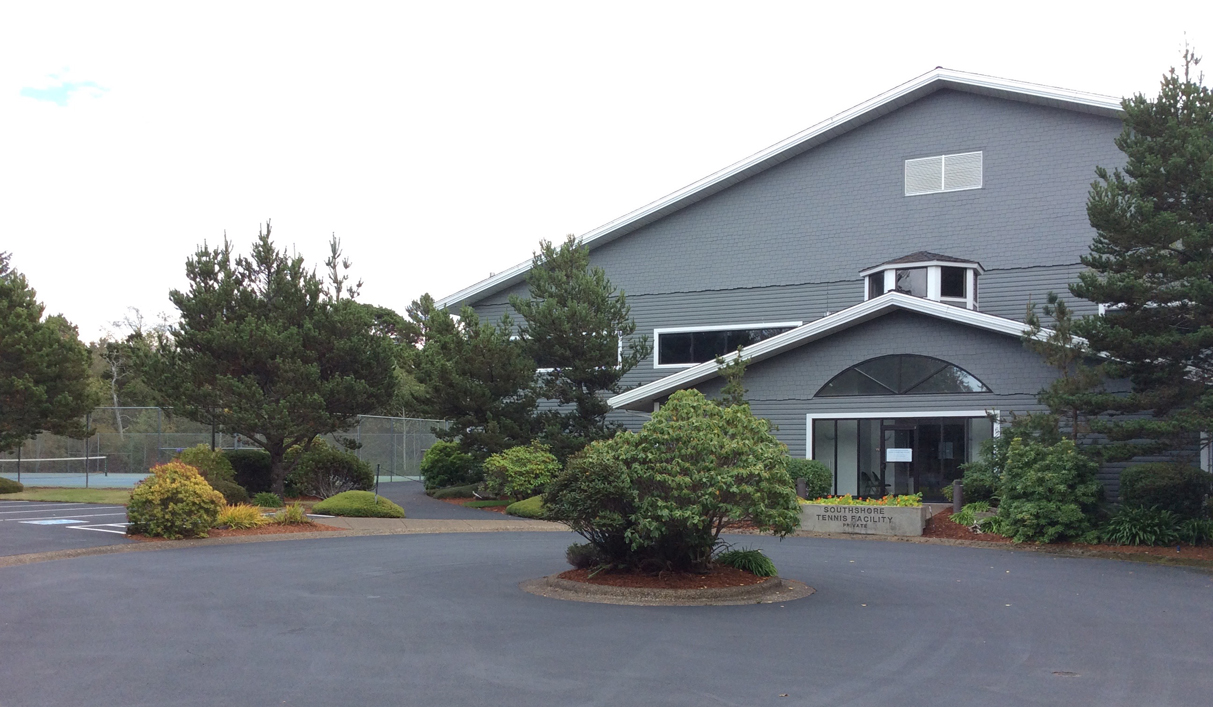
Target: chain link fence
[{"x": 127, "y": 441}]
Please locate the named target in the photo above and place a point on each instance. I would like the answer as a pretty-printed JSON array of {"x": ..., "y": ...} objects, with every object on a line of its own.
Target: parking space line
[
  {"x": 98, "y": 528},
  {"x": 76, "y": 515},
  {"x": 57, "y": 510}
]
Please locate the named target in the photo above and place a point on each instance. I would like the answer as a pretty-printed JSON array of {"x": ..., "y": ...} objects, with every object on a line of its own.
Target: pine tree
[
  {"x": 476, "y": 375},
  {"x": 575, "y": 323},
  {"x": 263, "y": 350},
  {"x": 734, "y": 390},
  {"x": 45, "y": 381},
  {"x": 1077, "y": 391},
  {"x": 1151, "y": 265}
]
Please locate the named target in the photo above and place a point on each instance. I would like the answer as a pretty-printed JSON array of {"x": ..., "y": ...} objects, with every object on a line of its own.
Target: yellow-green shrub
[
  {"x": 174, "y": 502},
  {"x": 241, "y": 516},
  {"x": 292, "y": 515}
]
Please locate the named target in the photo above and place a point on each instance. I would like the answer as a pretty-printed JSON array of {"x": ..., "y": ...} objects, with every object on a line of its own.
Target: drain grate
[{"x": 1065, "y": 674}]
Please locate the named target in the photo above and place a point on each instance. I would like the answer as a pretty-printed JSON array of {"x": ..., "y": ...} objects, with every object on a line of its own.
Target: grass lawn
[{"x": 68, "y": 495}]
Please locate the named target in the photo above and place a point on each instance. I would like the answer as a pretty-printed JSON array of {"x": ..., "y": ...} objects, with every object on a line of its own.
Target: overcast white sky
[{"x": 441, "y": 141}]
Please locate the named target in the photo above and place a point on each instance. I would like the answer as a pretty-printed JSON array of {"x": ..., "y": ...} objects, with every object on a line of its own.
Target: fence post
[
  {"x": 19, "y": 460},
  {"x": 159, "y": 431},
  {"x": 87, "y": 419},
  {"x": 392, "y": 437}
]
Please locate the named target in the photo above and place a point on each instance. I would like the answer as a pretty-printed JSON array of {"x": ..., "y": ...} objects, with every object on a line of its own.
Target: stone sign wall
[{"x": 864, "y": 520}]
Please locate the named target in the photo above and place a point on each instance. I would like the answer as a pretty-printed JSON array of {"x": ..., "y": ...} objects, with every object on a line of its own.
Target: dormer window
[{"x": 928, "y": 275}]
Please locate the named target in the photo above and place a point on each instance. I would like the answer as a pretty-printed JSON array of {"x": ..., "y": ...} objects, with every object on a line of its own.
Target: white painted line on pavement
[
  {"x": 56, "y": 521},
  {"x": 59, "y": 510},
  {"x": 93, "y": 515},
  {"x": 98, "y": 529}
]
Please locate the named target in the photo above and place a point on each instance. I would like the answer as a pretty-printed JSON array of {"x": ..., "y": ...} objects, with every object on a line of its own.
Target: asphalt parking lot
[
  {"x": 439, "y": 620},
  {"x": 34, "y": 526}
]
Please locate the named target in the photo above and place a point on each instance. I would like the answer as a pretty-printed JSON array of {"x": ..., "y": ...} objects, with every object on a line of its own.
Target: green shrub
[
  {"x": 583, "y": 556},
  {"x": 10, "y": 486},
  {"x": 232, "y": 492},
  {"x": 252, "y": 468},
  {"x": 324, "y": 471},
  {"x": 1196, "y": 531},
  {"x": 1049, "y": 493},
  {"x": 982, "y": 477},
  {"x": 174, "y": 502},
  {"x": 520, "y": 472},
  {"x": 968, "y": 513},
  {"x": 1142, "y": 526},
  {"x": 456, "y": 492},
  {"x": 668, "y": 490},
  {"x": 818, "y": 479},
  {"x": 1178, "y": 488},
  {"x": 361, "y": 504},
  {"x": 445, "y": 465},
  {"x": 267, "y": 500},
  {"x": 293, "y": 515},
  {"x": 752, "y": 561},
  {"x": 991, "y": 524},
  {"x": 529, "y": 508},
  {"x": 240, "y": 516},
  {"x": 213, "y": 465}
]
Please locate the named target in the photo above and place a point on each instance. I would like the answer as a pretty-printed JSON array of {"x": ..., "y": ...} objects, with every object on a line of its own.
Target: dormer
[{"x": 929, "y": 275}]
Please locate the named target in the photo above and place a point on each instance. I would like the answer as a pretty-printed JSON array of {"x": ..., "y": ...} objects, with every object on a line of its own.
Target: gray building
[{"x": 876, "y": 267}]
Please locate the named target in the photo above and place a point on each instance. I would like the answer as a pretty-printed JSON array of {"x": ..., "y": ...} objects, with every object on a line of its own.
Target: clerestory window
[{"x": 902, "y": 374}]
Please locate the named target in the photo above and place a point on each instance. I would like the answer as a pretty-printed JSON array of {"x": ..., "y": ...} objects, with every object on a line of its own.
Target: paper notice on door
[{"x": 899, "y": 454}]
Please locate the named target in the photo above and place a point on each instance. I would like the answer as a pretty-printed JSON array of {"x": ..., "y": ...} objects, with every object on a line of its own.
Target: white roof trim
[
  {"x": 850, "y": 119},
  {"x": 820, "y": 329}
]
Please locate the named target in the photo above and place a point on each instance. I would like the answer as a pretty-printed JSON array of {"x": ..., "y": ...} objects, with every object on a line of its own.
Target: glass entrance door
[{"x": 898, "y": 454}]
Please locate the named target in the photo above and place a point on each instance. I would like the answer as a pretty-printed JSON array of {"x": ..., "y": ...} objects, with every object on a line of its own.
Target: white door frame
[{"x": 808, "y": 448}]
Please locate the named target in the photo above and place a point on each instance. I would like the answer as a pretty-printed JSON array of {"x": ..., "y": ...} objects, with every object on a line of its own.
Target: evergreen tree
[
  {"x": 1076, "y": 394},
  {"x": 475, "y": 375},
  {"x": 574, "y": 323},
  {"x": 265, "y": 351},
  {"x": 733, "y": 372},
  {"x": 1152, "y": 267},
  {"x": 45, "y": 382}
]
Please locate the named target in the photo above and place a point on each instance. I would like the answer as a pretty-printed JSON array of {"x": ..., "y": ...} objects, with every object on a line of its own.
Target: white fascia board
[
  {"x": 819, "y": 329},
  {"x": 784, "y": 150}
]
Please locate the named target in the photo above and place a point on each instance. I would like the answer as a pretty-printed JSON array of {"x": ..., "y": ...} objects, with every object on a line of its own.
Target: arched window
[{"x": 902, "y": 374}]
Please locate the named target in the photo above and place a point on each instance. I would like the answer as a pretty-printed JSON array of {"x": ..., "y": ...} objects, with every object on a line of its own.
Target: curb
[{"x": 769, "y": 591}]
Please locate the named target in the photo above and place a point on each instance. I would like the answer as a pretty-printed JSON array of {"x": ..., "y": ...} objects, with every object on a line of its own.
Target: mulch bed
[
  {"x": 263, "y": 530},
  {"x": 941, "y": 526},
  {"x": 461, "y": 501},
  {"x": 717, "y": 577}
]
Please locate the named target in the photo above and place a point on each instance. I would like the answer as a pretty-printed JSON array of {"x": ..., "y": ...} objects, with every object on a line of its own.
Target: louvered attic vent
[{"x": 931, "y": 175}]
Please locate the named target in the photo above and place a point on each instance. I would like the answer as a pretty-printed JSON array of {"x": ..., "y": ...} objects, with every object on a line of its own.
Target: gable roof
[
  {"x": 830, "y": 128},
  {"x": 820, "y": 329}
]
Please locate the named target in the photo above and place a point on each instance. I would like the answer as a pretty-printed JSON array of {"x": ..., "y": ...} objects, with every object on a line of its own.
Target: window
[
  {"x": 952, "y": 282},
  {"x": 911, "y": 281},
  {"x": 902, "y": 374},
  {"x": 931, "y": 175},
  {"x": 687, "y": 347},
  {"x": 933, "y": 276}
]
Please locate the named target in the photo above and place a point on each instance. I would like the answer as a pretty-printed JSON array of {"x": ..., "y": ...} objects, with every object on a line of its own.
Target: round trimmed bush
[
  {"x": 818, "y": 479},
  {"x": 232, "y": 492},
  {"x": 520, "y": 472},
  {"x": 252, "y": 467},
  {"x": 174, "y": 502},
  {"x": 358, "y": 504},
  {"x": 213, "y": 465},
  {"x": 529, "y": 508},
  {"x": 10, "y": 486},
  {"x": 1178, "y": 488},
  {"x": 444, "y": 464},
  {"x": 325, "y": 471}
]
